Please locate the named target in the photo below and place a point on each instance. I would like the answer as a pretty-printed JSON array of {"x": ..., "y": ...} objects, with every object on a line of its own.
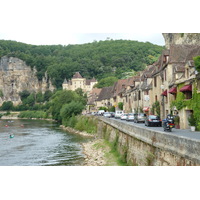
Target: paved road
[{"x": 179, "y": 132}]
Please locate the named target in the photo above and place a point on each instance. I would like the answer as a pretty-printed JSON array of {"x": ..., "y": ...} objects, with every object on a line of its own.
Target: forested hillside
[{"x": 98, "y": 59}]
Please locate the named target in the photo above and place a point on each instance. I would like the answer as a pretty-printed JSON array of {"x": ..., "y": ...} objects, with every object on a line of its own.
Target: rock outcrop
[
  {"x": 181, "y": 38},
  {"x": 16, "y": 76}
]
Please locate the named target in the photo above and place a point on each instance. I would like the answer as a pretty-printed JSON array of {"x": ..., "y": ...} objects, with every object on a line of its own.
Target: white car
[
  {"x": 107, "y": 114},
  {"x": 124, "y": 116},
  {"x": 130, "y": 117},
  {"x": 118, "y": 114}
]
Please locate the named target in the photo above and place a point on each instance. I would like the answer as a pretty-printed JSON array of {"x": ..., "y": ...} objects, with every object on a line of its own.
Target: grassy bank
[{"x": 109, "y": 153}]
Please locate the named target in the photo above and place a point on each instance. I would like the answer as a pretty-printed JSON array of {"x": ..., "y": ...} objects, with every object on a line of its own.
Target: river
[{"x": 38, "y": 143}]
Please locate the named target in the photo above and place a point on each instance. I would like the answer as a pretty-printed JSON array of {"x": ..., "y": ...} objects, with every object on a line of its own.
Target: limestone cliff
[
  {"x": 16, "y": 76},
  {"x": 181, "y": 38}
]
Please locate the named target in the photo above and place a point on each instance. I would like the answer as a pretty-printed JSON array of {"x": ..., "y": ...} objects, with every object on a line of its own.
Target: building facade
[{"x": 78, "y": 81}]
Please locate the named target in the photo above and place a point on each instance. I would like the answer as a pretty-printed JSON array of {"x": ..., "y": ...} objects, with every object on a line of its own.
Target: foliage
[
  {"x": 33, "y": 114},
  {"x": 66, "y": 102},
  {"x": 7, "y": 105},
  {"x": 24, "y": 94},
  {"x": 111, "y": 109},
  {"x": 98, "y": 59},
  {"x": 86, "y": 123},
  {"x": 197, "y": 63},
  {"x": 192, "y": 104},
  {"x": 103, "y": 108},
  {"x": 1, "y": 93},
  {"x": 192, "y": 120},
  {"x": 120, "y": 105},
  {"x": 177, "y": 120},
  {"x": 156, "y": 108},
  {"x": 106, "y": 82},
  {"x": 72, "y": 108}
]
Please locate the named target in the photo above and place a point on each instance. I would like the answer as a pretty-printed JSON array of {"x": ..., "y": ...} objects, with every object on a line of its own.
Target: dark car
[
  {"x": 140, "y": 117},
  {"x": 153, "y": 120}
]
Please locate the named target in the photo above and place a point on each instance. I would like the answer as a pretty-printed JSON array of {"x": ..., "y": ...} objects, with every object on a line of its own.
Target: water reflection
[{"x": 38, "y": 143}]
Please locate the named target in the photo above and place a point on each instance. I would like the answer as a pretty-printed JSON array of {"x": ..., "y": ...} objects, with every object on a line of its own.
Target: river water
[{"x": 38, "y": 143}]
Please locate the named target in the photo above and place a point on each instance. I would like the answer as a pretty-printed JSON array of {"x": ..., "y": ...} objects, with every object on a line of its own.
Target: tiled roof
[
  {"x": 183, "y": 53},
  {"x": 90, "y": 81},
  {"x": 106, "y": 93},
  {"x": 77, "y": 75}
]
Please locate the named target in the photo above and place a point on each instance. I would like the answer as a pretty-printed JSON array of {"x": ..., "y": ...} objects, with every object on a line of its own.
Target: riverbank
[{"x": 97, "y": 151}]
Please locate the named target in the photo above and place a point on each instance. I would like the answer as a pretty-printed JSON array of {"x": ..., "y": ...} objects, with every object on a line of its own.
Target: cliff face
[
  {"x": 16, "y": 76},
  {"x": 181, "y": 38}
]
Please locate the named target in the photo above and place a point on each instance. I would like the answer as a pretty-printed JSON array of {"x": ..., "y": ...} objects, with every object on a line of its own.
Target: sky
[{"x": 43, "y": 22}]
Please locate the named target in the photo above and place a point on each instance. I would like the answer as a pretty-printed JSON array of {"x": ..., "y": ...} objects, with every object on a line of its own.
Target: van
[
  {"x": 101, "y": 112},
  {"x": 118, "y": 113}
]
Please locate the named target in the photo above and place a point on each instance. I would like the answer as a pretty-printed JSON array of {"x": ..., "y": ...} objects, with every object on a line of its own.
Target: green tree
[
  {"x": 120, "y": 105},
  {"x": 24, "y": 94},
  {"x": 106, "y": 82},
  {"x": 197, "y": 63},
  {"x": 39, "y": 97},
  {"x": 72, "y": 108},
  {"x": 7, "y": 106},
  {"x": 59, "y": 99}
]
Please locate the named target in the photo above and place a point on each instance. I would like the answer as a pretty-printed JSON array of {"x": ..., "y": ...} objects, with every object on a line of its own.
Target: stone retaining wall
[{"x": 144, "y": 147}]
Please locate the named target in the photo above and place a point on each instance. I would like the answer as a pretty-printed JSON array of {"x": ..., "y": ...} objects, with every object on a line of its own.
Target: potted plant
[
  {"x": 192, "y": 122},
  {"x": 177, "y": 122}
]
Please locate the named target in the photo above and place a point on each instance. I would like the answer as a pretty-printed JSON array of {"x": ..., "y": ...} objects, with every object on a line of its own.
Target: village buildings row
[{"x": 155, "y": 89}]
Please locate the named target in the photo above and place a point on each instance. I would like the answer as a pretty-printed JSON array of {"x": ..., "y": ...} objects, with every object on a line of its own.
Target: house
[
  {"x": 105, "y": 97},
  {"x": 92, "y": 97},
  {"x": 78, "y": 81}
]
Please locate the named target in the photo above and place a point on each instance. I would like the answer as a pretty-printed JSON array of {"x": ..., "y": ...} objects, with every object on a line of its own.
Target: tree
[
  {"x": 106, "y": 82},
  {"x": 7, "y": 105},
  {"x": 73, "y": 108},
  {"x": 197, "y": 63},
  {"x": 24, "y": 94},
  {"x": 120, "y": 105},
  {"x": 39, "y": 97},
  {"x": 59, "y": 99}
]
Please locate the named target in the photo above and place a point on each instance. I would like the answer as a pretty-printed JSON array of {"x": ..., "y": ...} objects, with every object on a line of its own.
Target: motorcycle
[{"x": 168, "y": 125}]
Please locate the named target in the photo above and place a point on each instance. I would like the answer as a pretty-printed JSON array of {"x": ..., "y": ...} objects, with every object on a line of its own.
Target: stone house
[
  {"x": 184, "y": 80},
  {"x": 92, "y": 97},
  {"x": 78, "y": 81},
  {"x": 173, "y": 70},
  {"x": 105, "y": 97}
]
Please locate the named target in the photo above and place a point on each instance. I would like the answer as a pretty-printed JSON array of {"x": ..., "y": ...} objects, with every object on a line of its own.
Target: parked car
[
  {"x": 140, "y": 117},
  {"x": 101, "y": 112},
  {"x": 153, "y": 120},
  {"x": 118, "y": 114},
  {"x": 124, "y": 116},
  {"x": 130, "y": 117},
  {"x": 107, "y": 114},
  {"x": 94, "y": 113},
  {"x": 112, "y": 114}
]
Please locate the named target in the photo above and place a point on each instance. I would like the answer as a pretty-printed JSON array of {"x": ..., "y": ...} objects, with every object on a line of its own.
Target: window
[
  {"x": 156, "y": 98},
  {"x": 139, "y": 95},
  {"x": 187, "y": 73},
  {"x": 188, "y": 95},
  {"x": 165, "y": 74},
  {"x": 155, "y": 81}
]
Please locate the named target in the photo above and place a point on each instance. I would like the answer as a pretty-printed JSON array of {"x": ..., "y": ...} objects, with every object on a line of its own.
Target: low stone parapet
[{"x": 142, "y": 146}]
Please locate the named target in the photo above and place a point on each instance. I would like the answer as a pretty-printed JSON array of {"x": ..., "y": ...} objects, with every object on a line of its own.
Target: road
[{"x": 186, "y": 133}]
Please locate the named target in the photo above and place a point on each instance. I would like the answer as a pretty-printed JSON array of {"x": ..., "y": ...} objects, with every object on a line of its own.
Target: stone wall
[
  {"x": 144, "y": 147},
  {"x": 16, "y": 76}
]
